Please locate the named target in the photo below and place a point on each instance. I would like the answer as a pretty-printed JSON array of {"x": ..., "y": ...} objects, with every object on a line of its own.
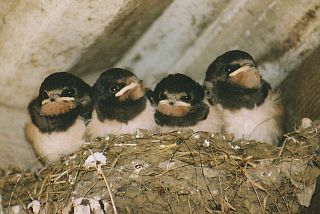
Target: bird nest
[{"x": 177, "y": 172}]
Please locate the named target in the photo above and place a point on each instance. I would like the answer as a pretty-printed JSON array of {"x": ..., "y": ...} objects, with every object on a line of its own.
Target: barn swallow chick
[
  {"x": 179, "y": 103},
  {"x": 120, "y": 105},
  {"x": 58, "y": 116},
  {"x": 250, "y": 109}
]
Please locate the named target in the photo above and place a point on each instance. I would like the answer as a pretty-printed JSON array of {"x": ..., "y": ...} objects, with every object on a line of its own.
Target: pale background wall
[{"x": 150, "y": 37}]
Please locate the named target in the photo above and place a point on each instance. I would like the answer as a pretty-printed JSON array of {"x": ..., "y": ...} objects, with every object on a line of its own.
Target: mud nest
[{"x": 178, "y": 172}]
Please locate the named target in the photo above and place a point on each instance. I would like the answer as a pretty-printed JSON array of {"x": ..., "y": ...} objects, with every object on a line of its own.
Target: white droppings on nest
[
  {"x": 215, "y": 192},
  {"x": 125, "y": 144},
  {"x": 107, "y": 137},
  {"x": 222, "y": 137},
  {"x": 306, "y": 123},
  {"x": 236, "y": 147},
  {"x": 244, "y": 141},
  {"x": 71, "y": 179},
  {"x": 206, "y": 143},
  {"x": 162, "y": 146},
  {"x": 155, "y": 141},
  {"x": 72, "y": 157},
  {"x": 94, "y": 159},
  {"x": 87, "y": 143},
  {"x": 139, "y": 134},
  {"x": 196, "y": 136},
  {"x": 34, "y": 206}
]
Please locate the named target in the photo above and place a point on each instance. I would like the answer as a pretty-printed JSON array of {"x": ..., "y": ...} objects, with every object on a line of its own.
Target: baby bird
[
  {"x": 58, "y": 116},
  {"x": 179, "y": 103},
  {"x": 120, "y": 105},
  {"x": 250, "y": 109}
]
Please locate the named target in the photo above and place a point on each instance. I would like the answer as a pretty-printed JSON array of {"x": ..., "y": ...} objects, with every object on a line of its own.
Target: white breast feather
[
  {"x": 260, "y": 123},
  {"x": 57, "y": 144},
  {"x": 212, "y": 123},
  {"x": 97, "y": 128}
]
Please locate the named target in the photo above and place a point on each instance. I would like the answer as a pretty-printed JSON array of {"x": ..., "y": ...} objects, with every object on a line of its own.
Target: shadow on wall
[
  {"x": 314, "y": 204},
  {"x": 301, "y": 92},
  {"x": 131, "y": 22}
]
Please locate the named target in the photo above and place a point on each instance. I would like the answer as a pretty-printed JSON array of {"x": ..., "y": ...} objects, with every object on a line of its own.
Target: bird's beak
[
  {"x": 126, "y": 88},
  {"x": 173, "y": 107},
  {"x": 246, "y": 77},
  {"x": 245, "y": 68},
  {"x": 134, "y": 90},
  {"x": 56, "y": 105},
  {"x": 67, "y": 99},
  {"x": 46, "y": 101},
  {"x": 173, "y": 102},
  {"x": 58, "y": 99}
]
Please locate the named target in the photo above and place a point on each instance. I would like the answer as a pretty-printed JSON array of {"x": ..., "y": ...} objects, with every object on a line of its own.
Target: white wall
[
  {"x": 150, "y": 37},
  {"x": 38, "y": 38},
  {"x": 190, "y": 35}
]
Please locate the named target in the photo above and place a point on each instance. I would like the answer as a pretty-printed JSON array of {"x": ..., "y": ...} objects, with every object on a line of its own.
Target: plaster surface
[{"x": 152, "y": 38}]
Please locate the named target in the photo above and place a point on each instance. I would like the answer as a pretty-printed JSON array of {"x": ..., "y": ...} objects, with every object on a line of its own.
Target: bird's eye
[
  {"x": 232, "y": 68},
  {"x": 185, "y": 98},
  {"x": 68, "y": 92},
  {"x": 208, "y": 93},
  {"x": 44, "y": 95},
  {"x": 114, "y": 88}
]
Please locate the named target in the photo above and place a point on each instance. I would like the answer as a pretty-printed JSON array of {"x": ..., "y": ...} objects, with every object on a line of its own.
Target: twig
[
  {"x": 205, "y": 180},
  {"x": 46, "y": 202},
  {"x": 190, "y": 209},
  {"x": 169, "y": 170},
  {"x": 254, "y": 184},
  {"x": 262, "y": 208},
  {"x": 14, "y": 188},
  {"x": 165, "y": 191},
  {"x": 99, "y": 169},
  {"x": 278, "y": 208},
  {"x": 114, "y": 163},
  {"x": 283, "y": 198},
  {"x": 194, "y": 161},
  {"x": 236, "y": 192},
  {"x": 90, "y": 189},
  {"x": 42, "y": 186},
  {"x": 60, "y": 175}
]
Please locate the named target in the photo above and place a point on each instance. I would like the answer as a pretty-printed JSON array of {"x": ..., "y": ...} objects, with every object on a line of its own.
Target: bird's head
[
  {"x": 235, "y": 67},
  {"x": 62, "y": 92},
  {"x": 117, "y": 86},
  {"x": 176, "y": 95}
]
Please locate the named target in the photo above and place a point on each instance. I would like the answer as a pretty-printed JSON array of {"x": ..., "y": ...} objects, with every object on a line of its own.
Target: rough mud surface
[{"x": 178, "y": 172}]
